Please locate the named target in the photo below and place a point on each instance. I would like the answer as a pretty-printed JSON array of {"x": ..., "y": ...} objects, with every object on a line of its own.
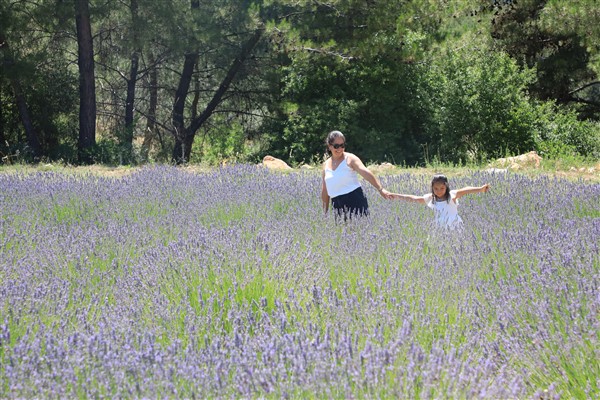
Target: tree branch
[
  {"x": 327, "y": 52},
  {"x": 247, "y": 48},
  {"x": 584, "y": 101},
  {"x": 587, "y": 85}
]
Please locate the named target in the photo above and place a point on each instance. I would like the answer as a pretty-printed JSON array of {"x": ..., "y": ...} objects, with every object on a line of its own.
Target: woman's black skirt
[{"x": 351, "y": 204}]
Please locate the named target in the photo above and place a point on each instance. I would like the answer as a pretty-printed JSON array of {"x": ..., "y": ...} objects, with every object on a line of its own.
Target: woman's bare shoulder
[
  {"x": 350, "y": 157},
  {"x": 354, "y": 161}
]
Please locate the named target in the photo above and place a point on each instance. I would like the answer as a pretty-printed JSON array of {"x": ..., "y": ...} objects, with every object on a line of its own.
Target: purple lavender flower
[{"x": 231, "y": 283}]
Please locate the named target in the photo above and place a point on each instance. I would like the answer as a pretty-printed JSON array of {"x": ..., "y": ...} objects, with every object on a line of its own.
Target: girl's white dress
[{"x": 446, "y": 212}]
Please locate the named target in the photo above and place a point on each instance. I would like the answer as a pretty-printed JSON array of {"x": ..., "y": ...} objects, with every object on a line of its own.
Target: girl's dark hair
[
  {"x": 332, "y": 136},
  {"x": 441, "y": 178}
]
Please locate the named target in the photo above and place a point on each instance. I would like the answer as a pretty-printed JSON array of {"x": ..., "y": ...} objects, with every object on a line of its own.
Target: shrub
[
  {"x": 562, "y": 133},
  {"x": 481, "y": 108}
]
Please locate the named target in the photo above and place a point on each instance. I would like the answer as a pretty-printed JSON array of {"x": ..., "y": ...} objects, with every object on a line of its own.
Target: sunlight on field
[{"x": 229, "y": 282}]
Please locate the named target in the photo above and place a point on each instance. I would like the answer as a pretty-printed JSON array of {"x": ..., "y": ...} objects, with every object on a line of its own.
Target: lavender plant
[{"x": 232, "y": 284}]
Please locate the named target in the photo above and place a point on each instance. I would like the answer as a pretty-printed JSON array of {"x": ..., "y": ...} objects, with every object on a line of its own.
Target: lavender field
[{"x": 232, "y": 284}]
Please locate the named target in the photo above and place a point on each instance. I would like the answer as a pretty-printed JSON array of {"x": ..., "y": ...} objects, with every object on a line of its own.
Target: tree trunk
[
  {"x": 32, "y": 137},
  {"x": 129, "y": 102},
  {"x": 181, "y": 150},
  {"x": 150, "y": 132},
  {"x": 196, "y": 98},
  {"x": 183, "y": 146},
  {"x": 132, "y": 81},
  {"x": 33, "y": 141},
  {"x": 2, "y": 137},
  {"x": 87, "y": 88}
]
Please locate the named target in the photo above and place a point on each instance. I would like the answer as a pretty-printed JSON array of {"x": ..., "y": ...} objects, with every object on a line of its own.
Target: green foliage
[
  {"x": 481, "y": 110},
  {"x": 581, "y": 17},
  {"x": 374, "y": 101},
  {"x": 51, "y": 96},
  {"x": 553, "y": 149},
  {"x": 480, "y": 106},
  {"x": 560, "y": 38},
  {"x": 222, "y": 143},
  {"x": 31, "y": 60},
  {"x": 561, "y": 132},
  {"x": 315, "y": 103},
  {"x": 345, "y": 73},
  {"x": 407, "y": 82},
  {"x": 111, "y": 151}
]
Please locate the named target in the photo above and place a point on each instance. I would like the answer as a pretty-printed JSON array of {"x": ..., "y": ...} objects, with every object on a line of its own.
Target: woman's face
[{"x": 340, "y": 143}]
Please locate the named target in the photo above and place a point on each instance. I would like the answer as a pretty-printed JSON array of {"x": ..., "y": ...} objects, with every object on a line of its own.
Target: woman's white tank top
[{"x": 341, "y": 181}]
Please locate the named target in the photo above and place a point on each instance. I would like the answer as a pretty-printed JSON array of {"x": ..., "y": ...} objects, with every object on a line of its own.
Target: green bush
[
  {"x": 464, "y": 104},
  {"x": 481, "y": 108},
  {"x": 108, "y": 151},
  {"x": 551, "y": 149},
  {"x": 374, "y": 101},
  {"x": 560, "y": 133},
  {"x": 51, "y": 98},
  {"x": 224, "y": 142}
]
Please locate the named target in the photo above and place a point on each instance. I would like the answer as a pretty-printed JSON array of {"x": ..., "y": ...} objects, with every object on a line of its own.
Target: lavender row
[{"x": 233, "y": 284}]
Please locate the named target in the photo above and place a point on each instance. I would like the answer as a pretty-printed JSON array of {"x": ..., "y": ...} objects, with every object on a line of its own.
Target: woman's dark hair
[
  {"x": 441, "y": 178},
  {"x": 332, "y": 136}
]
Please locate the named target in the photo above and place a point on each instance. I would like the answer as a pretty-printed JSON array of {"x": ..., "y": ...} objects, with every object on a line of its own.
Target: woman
[{"x": 340, "y": 180}]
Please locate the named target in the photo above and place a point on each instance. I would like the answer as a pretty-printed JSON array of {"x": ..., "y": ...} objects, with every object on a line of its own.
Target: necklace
[{"x": 335, "y": 163}]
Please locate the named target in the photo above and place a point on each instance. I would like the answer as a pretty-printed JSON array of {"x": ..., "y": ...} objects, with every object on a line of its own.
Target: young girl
[{"x": 443, "y": 200}]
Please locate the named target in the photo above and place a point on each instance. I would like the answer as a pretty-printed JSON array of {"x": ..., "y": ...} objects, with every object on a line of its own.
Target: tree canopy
[{"x": 406, "y": 81}]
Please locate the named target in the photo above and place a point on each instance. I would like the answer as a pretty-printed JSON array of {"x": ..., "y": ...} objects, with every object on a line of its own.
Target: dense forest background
[{"x": 134, "y": 81}]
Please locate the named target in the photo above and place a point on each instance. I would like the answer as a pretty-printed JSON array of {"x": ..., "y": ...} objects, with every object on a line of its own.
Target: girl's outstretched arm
[
  {"x": 472, "y": 189},
  {"x": 408, "y": 197}
]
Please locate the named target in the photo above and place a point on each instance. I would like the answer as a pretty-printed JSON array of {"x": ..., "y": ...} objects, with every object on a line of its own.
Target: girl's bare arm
[
  {"x": 408, "y": 197},
  {"x": 472, "y": 189}
]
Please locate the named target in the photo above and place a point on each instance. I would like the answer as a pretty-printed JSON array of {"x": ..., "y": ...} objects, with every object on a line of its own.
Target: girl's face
[{"x": 439, "y": 189}]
